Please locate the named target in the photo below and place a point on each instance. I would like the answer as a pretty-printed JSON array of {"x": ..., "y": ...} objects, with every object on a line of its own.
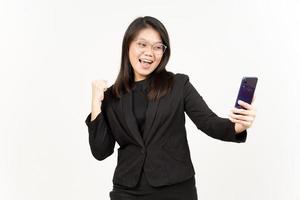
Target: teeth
[{"x": 146, "y": 61}]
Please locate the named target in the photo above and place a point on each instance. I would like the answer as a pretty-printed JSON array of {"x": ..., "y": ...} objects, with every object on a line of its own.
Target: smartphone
[{"x": 246, "y": 91}]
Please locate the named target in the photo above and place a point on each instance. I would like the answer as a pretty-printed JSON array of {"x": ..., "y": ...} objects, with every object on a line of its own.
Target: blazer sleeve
[
  {"x": 205, "y": 119},
  {"x": 101, "y": 140}
]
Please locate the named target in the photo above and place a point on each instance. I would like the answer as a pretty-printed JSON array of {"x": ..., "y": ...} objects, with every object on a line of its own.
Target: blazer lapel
[
  {"x": 131, "y": 120},
  {"x": 150, "y": 118}
]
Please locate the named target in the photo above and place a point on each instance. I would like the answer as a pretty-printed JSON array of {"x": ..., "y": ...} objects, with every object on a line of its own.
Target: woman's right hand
[{"x": 98, "y": 89}]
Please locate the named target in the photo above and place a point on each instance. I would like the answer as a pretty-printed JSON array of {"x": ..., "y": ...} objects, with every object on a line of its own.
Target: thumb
[{"x": 105, "y": 85}]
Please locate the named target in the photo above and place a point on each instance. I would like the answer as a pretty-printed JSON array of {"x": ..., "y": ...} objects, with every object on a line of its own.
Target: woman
[{"x": 143, "y": 111}]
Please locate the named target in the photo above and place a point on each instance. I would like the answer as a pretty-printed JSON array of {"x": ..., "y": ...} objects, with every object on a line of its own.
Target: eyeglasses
[{"x": 157, "y": 48}]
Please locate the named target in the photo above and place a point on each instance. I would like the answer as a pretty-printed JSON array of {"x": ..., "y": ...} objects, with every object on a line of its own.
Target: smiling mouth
[{"x": 145, "y": 61}]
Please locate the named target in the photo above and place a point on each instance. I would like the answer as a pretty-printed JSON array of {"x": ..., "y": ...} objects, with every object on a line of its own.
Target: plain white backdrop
[{"x": 51, "y": 50}]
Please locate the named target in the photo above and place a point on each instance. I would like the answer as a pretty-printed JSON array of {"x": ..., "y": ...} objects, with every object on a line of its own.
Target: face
[{"x": 145, "y": 53}]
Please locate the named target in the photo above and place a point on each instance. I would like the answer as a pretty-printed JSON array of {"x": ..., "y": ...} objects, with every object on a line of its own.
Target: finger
[
  {"x": 251, "y": 109},
  {"x": 245, "y": 104},
  {"x": 242, "y": 117},
  {"x": 105, "y": 89},
  {"x": 105, "y": 83},
  {"x": 101, "y": 97},
  {"x": 244, "y": 123},
  {"x": 231, "y": 119},
  {"x": 240, "y": 111},
  {"x": 242, "y": 114}
]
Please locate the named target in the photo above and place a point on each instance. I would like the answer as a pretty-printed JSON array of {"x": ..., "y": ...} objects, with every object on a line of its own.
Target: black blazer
[{"x": 164, "y": 153}]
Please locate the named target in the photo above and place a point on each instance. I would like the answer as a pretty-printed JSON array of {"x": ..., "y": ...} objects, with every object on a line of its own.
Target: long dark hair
[{"x": 160, "y": 81}]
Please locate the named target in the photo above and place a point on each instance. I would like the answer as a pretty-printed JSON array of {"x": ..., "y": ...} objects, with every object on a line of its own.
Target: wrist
[{"x": 238, "y": 128}]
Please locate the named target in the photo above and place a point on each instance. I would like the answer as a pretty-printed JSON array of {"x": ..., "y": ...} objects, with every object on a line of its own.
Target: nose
[{"x": 148, "y": 52}]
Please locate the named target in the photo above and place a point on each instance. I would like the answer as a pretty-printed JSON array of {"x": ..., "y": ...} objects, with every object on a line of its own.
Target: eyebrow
[{"x": 148, "y": 41}]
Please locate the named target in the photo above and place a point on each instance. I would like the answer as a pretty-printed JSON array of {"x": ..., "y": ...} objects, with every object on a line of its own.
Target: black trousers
[{"x": 185, "y": 190}]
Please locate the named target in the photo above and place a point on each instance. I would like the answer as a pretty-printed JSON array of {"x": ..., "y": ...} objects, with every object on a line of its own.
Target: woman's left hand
[{"x": 242, "y": 117}]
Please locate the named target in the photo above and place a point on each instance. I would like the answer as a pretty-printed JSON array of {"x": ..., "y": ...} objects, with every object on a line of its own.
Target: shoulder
[
  {"x": 181, "y": 78},
  {"x": 180, "y": 81}
]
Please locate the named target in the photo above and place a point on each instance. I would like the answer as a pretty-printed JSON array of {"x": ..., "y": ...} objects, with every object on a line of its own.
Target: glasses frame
[{"x": 151, "y": 45}]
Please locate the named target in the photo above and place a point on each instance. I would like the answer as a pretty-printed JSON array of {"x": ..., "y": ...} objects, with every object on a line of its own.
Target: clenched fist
[{"x": 98, "y": 89}]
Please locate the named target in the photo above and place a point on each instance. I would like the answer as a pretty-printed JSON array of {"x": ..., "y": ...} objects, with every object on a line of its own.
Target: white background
[{"x": 51, "y": 50}]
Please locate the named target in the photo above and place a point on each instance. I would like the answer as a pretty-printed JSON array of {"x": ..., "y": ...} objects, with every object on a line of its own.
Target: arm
[
  {"x": 101, "y": 140},
  {"x": 206, "y": 120}
]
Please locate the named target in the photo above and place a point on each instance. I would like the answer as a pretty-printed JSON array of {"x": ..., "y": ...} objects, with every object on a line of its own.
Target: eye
[
  {"x": 158, "y": 47},
  {"x": 141, "y": 44}
]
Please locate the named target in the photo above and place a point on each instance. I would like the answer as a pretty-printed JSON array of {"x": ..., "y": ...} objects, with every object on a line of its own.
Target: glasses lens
[
  {"x": 159, "y": 48},
  {"x": 141, "y": 44}
]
